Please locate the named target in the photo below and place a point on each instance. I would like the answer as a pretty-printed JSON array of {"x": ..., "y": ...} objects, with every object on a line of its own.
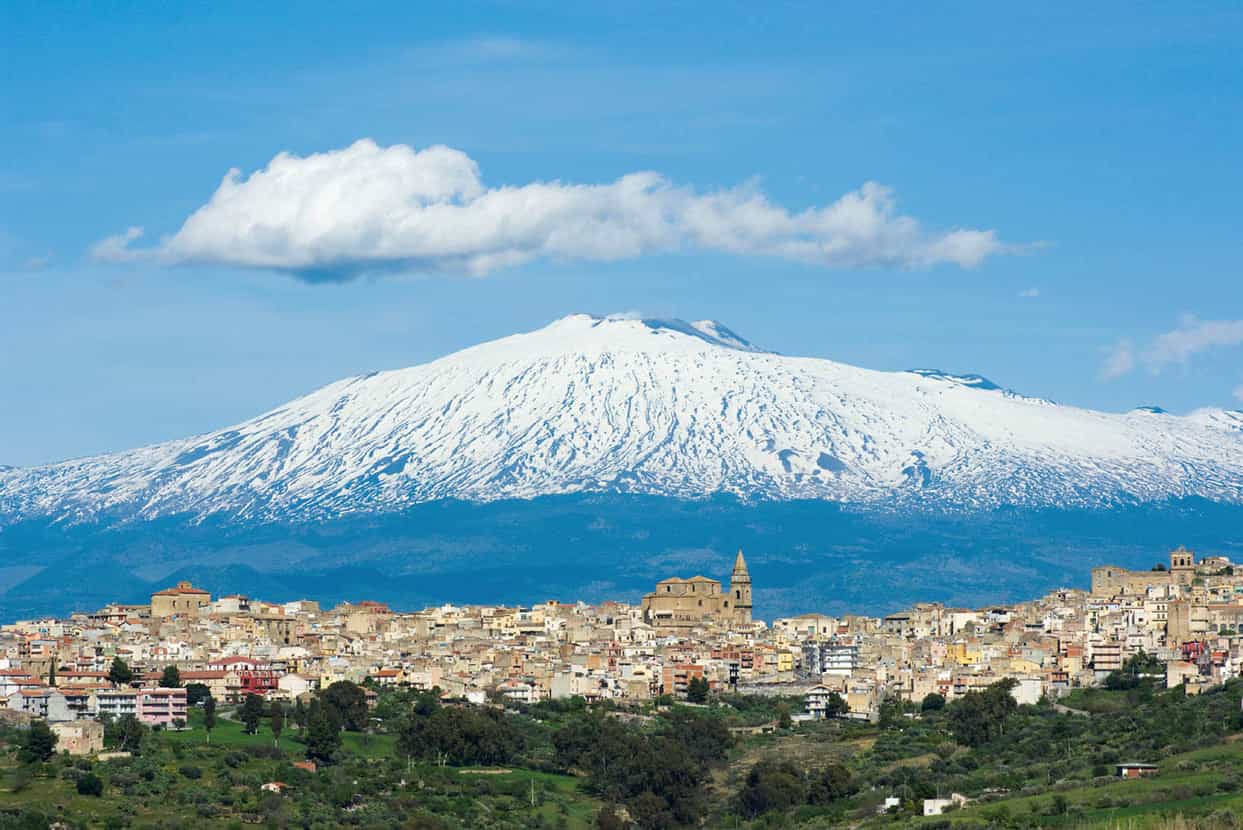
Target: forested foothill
[{"x": 416, "y": 760}]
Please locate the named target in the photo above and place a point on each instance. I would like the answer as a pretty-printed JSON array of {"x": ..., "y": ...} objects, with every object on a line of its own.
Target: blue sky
[{"x": 1099, "y": 144}]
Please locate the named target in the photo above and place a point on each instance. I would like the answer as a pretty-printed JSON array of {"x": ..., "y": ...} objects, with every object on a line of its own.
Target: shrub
[
  {"x": 192, "y": 772},
  {"x": 91, "y": 784}
]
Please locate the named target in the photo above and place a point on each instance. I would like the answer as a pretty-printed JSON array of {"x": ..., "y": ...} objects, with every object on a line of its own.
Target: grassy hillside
[{"x": 561, "y": 764}]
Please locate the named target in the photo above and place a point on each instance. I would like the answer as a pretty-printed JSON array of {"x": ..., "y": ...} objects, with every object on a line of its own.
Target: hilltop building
[
  {"x": 699, "y": 601},
  {"x": 183, "y": 598},
  {"x": 1182, "y": 571}
]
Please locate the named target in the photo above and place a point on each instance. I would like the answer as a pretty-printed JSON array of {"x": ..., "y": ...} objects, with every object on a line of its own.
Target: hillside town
[{"x": 1185, "y": 614}]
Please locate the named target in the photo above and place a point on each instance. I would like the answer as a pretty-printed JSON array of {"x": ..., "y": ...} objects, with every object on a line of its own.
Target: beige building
[
  {"x": 1110, "y": 581},
  {"x": 79, "y": 737},
  {"x": 183, "y": 598},
  {"x": 699, "y": 601}
]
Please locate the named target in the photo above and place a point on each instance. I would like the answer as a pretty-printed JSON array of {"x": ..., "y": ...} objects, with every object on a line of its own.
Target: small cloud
[
  {"x": 1190, "y": 338},
  {"x": 493, "y": 49},
  {"x": 367, "y": 209},
  {"x": 1029, "y": 293},
  {"x": 1238, "y": 392},
  {"x": 1175, "y": 347},
  {"x": 116, "y": 248},
  {"x": 1120, "y": 360},
  {"x": 37, "y": 263}
]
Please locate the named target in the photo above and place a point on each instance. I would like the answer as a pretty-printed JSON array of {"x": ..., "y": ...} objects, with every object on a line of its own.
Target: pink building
[{"x": 160, "y": 707}]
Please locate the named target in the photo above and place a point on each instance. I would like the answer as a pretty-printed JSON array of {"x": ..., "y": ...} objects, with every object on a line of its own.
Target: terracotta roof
[{"x": 179, "y": 589}]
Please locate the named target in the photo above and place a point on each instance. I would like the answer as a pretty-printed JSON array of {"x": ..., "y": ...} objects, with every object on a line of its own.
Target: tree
[
  {"x": 836, "y": 705},
  {"x": 349, "y": 702},
  {"x": 979, "y": 716},
  {"x": 460, "y": 736},
  {"x": 1160, "y": 566},
  {"x": 932, "y": 702},
  {"x": 171, "y": 679},
  {"x": 659, "y": 776},
  {"x": 830, "y": 784},
  {"x": 1117, "y": 681},
  {"x": 251, "y": 713},
  {"x": 209, "y": 716},
  {"x": 323, "y": 733},
  {"x": 125, "y": 734},
  {"x": 704, "y": 736},
  {"x": 38, "y": 744},
  {"x": 197, "y": 693},
  {"x": 784, "y": 721},
  {"x": 277, "y": 721},
  {"x": 51, "y": 673},
  {"x": 1141, "y": 662},
  {"x": 91, "y": 784},
  {"x": 772, "y": 785},
  {"x": 697, "y": 690},
  {"x": 608, "y": 819},
  {"x": 299, "y": 715},
  {"x": 120, "y": 674}
]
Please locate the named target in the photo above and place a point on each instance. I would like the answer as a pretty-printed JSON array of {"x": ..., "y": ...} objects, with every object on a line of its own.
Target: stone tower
[
  {"x": 1182, "y": 565},
  {"x": 740, "y": 591}
]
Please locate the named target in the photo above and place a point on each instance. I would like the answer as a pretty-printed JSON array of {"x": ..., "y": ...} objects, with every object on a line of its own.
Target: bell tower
[{"x": 740, "y": 591}]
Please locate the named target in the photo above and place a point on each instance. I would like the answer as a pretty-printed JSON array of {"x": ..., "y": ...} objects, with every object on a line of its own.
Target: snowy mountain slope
[{"x": 591, "y": 404}]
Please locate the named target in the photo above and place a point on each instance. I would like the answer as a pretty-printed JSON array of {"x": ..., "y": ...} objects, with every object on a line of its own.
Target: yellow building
[
  {"x": 785, "y": 661},
  {"x": 961, "y": 653}
]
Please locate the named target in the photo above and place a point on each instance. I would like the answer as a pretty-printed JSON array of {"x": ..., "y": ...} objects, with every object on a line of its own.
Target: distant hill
[{"x": 805, "y": 555}]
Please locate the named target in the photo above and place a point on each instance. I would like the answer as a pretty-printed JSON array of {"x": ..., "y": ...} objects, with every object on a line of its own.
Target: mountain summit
[{"x": 664, "y": 407}]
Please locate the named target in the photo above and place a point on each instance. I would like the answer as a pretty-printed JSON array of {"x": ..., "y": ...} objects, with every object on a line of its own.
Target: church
[{"x": 699, "y": 601}]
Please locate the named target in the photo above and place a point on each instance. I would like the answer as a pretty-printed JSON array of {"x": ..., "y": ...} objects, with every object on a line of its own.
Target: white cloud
[
  {"x": 1238, "y": 392},
  {"x": 1029, "y": 293},
  {"x": 116, "y": 248},
  {"x": 1176, "y": 346},
  {"x": 333, "y": 216},
  {"x": 1192, "y": 337},
  {"x": 1119, "y": 361}
]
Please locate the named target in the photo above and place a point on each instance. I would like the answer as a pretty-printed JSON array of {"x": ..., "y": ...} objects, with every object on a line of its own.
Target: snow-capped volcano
[{"x": 590, "y": 404}]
